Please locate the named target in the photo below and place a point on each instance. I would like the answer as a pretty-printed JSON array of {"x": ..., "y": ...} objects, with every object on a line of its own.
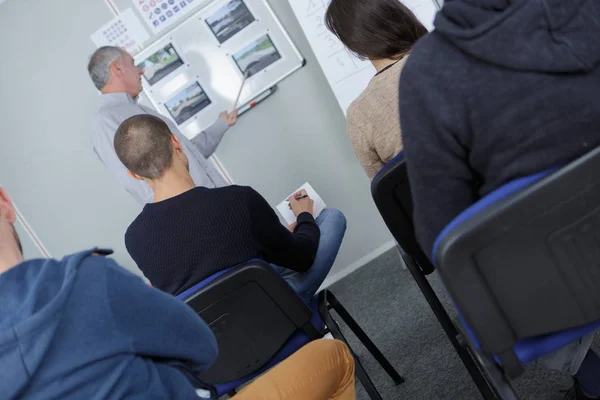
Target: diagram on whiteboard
[{"x": 347, "y": 75}]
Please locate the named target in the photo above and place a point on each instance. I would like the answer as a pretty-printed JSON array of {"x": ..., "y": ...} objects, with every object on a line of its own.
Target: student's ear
[
  {"x": 7, "y": 209},
  {"x": 176, "y": 143},
  {"x": 135, "y": 176}
]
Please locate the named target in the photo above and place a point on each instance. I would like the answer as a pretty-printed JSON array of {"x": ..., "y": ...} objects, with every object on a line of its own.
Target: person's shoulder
[
  {"x": 91, "y": 265},
  {"x": 233, "y": 189},
  {"x": 355, "y": 108},
  {"x": 225, "y": 194},
  {"x": 431, "y": 54},
  {"x": 247, "y": 192},
  {"x": 136, "y": 228},
  {"x": 359, "y": 108}
]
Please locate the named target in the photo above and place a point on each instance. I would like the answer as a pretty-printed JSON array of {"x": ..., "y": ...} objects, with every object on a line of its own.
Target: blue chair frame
[
  {"x": 252, "y": 303},
  {"x": 519, "y": 265},
  {"x": 391, "y": 193}
]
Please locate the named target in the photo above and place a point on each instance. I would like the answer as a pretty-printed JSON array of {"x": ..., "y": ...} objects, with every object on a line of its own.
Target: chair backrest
[
  {"x": 525, "y": 260},
  {"x": 391, "y": 192},
  {"x": 253, "y": 313}
]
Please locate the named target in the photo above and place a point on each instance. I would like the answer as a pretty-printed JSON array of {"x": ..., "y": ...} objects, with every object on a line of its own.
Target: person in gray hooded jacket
[{"x": 500, "y": 90}]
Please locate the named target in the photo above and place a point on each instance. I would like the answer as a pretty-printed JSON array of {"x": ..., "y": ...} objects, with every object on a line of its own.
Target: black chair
[
  {"x": 522, "y": 266},
  {"x": 259, "y": 320},
  {"x": 391, "y": 192}
]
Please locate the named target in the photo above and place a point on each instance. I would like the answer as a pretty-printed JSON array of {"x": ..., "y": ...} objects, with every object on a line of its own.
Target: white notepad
[{"x": 289, "y": 216}]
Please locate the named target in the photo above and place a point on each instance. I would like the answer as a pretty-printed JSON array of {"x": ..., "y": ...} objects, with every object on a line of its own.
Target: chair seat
[
  {"x": 531, "y": 349},
  {"x": 291, "y": 346}
]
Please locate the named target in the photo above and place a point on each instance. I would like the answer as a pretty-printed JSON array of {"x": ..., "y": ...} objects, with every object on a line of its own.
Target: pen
[{"x": 300, "y": 197}]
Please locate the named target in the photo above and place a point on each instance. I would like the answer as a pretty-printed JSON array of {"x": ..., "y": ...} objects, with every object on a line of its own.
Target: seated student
[
  {"x": 85, "y": 328},
  {"x": 384, "y": 32},
  {"x": 188, "y": 233},
  {"x": 500, "y": 90}
]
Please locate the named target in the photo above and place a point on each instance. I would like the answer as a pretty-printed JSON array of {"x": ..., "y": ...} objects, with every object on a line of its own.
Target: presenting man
[
  {"x": 190, "y": 232},
  {"x": 115, "y": 74}
]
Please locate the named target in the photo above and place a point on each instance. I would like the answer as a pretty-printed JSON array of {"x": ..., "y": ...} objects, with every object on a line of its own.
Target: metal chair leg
[
  {"x": 359, "y": 370},
  {"x": 364, "y": 379},
  {"x": 449, "y": 328},
  {"x": 500, "y": 384},
  {"x": 363, "y": 337}
]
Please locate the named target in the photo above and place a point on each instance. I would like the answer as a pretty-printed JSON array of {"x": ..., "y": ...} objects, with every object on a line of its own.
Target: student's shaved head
[{"x": 143, "y": 144}]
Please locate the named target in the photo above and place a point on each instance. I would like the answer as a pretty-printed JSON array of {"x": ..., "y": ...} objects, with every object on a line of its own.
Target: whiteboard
[
  {"x": 347, "y": 75},
  {"x": 195, "y": 71}
]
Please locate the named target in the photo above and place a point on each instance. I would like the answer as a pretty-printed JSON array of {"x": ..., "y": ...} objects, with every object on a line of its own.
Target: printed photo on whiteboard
[
  {"x": 257, "y": 56},
  {"x": 160, "y": 64},
  {"x": 229, "y": 20},
  {"x": 187, "y": 103}
]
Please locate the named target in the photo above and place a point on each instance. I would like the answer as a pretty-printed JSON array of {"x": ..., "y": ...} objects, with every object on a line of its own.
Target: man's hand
[
  {"x": 292, "y": 226},
  {"x": 302, "y": 205},
  {"x": 229, "y": 117}
]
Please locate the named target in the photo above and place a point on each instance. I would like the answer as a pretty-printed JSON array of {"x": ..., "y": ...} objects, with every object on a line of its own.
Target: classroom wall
[{"x": 48, "y": 167}]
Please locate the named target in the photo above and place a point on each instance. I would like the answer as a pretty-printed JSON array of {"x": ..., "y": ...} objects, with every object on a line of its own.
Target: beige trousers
[{"x": 321, "y": 370}]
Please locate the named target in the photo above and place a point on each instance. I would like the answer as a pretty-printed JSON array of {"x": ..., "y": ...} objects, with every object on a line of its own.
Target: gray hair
[{"x": 99, "y": 65}]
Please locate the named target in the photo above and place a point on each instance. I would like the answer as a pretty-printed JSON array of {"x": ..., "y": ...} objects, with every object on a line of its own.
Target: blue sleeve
[{"x": 159, "y": 325}]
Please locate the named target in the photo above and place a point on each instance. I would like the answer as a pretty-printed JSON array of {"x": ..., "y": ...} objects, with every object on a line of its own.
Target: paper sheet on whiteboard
[
  {"x": 124, "y": 30},
  {"x": 162, "y": 14},
  {"x": 289, "y": 216}
]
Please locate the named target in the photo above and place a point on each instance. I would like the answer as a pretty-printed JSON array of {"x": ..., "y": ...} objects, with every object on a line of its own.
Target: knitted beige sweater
[{"x": 373, "y": 121}]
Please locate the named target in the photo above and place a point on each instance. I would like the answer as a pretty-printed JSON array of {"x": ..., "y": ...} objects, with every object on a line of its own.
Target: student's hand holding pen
[{"x": 300, "y": 202}]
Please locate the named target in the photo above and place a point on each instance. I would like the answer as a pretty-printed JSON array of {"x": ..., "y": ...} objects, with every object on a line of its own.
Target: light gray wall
[{"x": 48, "y": 167}]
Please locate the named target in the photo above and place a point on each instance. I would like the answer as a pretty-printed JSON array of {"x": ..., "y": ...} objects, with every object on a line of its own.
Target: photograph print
[
  {"x": 229, "y": 20},
  {"x": 160, "y": 64},
  {"x": 256, "y": 56},
  {"x": 188, "y": 102}
]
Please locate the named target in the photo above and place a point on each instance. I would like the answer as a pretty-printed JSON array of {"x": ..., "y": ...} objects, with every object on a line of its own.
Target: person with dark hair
[
  {"x": 383, "y": 31},
  {"x": 115, "y": 75},
  {"x": 502, "y": 89},
  {"x": 189, "y": 233}
]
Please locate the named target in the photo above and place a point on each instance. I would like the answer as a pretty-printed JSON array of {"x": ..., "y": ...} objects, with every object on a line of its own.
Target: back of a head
[
  {"x": 374, "y": 29},
  {"x": 100, "y": 62},
  {"x": 143, "y": 144}
]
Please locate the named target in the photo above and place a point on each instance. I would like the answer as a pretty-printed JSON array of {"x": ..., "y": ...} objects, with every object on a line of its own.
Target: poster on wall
[
  {"x": 124, "y": 30},
  {"x": 161, "y": 63},
  {"x": 256, "y": 56},
  {"x": 161, "y": 14},
  {"x": 188, "y": 102},
  {"x": 229, "y": 20}
]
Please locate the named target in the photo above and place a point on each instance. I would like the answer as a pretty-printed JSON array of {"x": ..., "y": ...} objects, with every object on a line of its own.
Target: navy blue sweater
[
  {"x": 180, "y": 241},
  {"x": 84, "y": 328},
  {"x": 501, "y": 89}
]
